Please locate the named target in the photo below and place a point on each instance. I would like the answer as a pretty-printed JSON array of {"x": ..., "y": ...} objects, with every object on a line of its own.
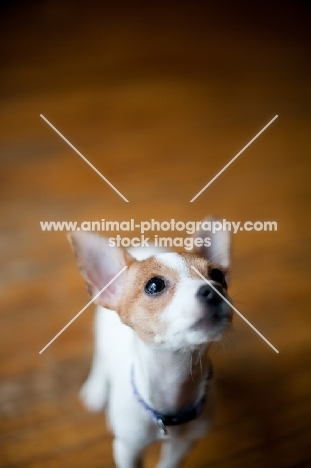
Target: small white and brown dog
[{"x": 153, "y": 326}]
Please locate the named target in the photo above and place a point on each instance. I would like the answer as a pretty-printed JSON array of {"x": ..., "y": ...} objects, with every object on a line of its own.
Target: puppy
[{"x": 153, "y": 326}]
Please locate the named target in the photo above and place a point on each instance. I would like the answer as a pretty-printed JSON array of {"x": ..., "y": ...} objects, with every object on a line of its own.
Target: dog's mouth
[
  {"x": 215, "y": 310},
  {"x": 215, "y": 319}
]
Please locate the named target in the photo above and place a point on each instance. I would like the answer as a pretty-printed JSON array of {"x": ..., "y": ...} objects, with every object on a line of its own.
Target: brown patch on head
[
  {"x": 202, "y": 265},
  {"x": 138, "y": 309}
]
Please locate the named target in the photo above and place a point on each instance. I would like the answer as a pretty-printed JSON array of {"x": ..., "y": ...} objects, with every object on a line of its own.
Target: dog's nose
[{"x": 207, "y": 294}]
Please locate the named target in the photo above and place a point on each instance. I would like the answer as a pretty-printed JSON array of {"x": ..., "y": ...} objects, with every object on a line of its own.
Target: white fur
[
  {"x": 183, "y": 313},
  {"x": 170, "y": 372},
  {"x": 175, "y": 261}
]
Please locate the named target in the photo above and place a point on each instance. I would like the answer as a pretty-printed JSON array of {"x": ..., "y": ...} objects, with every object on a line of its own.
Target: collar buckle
[{"x": 161, "y": 426}]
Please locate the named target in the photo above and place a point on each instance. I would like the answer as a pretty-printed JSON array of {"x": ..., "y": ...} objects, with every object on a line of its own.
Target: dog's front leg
[
  {"x": 173, "y": 452},
  {"x": 94, "y": 390},
  {"x": 127, "y": 454}
]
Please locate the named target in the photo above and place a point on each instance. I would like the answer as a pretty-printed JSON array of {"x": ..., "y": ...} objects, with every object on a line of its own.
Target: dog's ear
[
  {"x": 99, "y": 264},
  {"x": 219, "y": 251}
]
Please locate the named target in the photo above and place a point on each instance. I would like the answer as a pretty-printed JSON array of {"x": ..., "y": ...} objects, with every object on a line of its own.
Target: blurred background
[{"x": 159, "y": 96}]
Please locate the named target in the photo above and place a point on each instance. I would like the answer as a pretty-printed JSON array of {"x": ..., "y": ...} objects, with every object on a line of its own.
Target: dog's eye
[
  {"x": 155, "y": 285},
  {"x": 218, "y": 276}
]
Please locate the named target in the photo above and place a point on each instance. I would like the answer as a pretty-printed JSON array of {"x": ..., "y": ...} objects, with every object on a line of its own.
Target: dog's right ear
[
  {"x": 219, "y": 251},
  {"x": 99, "y": 264}
]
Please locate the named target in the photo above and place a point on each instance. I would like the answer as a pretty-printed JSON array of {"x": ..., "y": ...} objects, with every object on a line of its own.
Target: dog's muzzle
[{"x": 216, "y": 307}]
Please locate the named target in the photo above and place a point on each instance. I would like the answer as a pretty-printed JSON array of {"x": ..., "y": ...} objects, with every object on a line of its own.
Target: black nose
[{"x": 206, "y": 294}]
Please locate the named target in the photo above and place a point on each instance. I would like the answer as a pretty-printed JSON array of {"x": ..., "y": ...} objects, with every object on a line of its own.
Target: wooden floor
[{"x": 159, "y": 98}]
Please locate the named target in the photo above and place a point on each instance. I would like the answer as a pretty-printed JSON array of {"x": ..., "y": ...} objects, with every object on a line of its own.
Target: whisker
[
  {"x": 200, "y": 357},
  {"x": 227, "y": 336},
  {"x": 191, "y": 375}
]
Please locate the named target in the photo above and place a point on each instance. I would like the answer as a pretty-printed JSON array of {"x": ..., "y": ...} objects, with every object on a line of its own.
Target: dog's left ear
[
  {"x": 99, "y": 263},
  {"x": 219, "y": 251}
]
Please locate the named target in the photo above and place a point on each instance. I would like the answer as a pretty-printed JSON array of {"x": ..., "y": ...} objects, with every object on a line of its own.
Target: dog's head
[{"x": 161, "y": 297}]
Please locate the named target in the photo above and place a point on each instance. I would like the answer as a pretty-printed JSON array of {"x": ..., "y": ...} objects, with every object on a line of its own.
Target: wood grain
[{"x": 159, "y": 97}]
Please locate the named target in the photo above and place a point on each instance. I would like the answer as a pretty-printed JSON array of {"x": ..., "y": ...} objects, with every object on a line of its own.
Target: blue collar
[{"x": 172, "y": 419}]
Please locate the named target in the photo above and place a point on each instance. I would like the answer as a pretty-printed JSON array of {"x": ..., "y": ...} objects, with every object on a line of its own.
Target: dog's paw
[{"x": 93, "y": 396}]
